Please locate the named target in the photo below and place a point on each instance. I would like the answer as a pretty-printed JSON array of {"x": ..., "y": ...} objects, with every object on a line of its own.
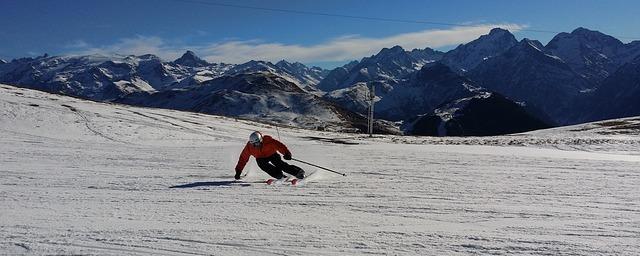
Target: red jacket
[{"x": 269, "y": 147}]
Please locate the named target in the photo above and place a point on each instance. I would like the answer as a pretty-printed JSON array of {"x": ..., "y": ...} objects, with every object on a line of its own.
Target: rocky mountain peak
[
  {"x": 289, "y": 65},
  {"x": 496, "y": 32},
  {"x": 190, "y": 59},
  {"x": 393, "y": 50},
  {"x": 467, "y": 56}
]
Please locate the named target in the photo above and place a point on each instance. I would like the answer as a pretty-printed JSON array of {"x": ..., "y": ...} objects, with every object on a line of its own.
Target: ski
[
  {"x": 275, "y": 182},
  {"x": 297, "y": 182},
  {"x": 293, "y": 182}
]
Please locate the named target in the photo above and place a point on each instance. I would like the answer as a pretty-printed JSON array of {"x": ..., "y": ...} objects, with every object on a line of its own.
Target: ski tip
[
  {"x": 270, "y": 181},
  {"x": 294, "y": 182}
]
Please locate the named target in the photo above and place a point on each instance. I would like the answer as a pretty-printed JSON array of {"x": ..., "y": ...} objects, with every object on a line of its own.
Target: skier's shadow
[{"x": 226, "y": 183}]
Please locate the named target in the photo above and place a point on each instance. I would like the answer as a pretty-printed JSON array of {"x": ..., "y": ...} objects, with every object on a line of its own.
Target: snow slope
[{"x": 78, "y": 177}]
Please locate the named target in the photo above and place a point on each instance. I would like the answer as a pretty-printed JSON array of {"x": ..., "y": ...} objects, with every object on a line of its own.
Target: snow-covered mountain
[
  {"x": 107, "y": 78},
  {"x": 484, "y": 114},
  {"x": 467, "y": 56},
  {"x": 336, "y": 76},
  {"x": 551, "y": 79},
  {"x": 389, "y": 66},
  {"x": 355, "y": 98},
  {"x": 422, "y": 92},
  {"x": 558, "y": 80},
  {"x": 94, "y": 77},
  {"x": 102, "y": 77},
  {"x": 308, "y": 76},
  {"x": 437, "y": 101},
  {"x": 305, "y": 77},
  {"x": 419, "y": 93},
  {"x": 592, "y": 54},
  {"x": 528, "y": 73},
  {"x": 261, "y": 96}
]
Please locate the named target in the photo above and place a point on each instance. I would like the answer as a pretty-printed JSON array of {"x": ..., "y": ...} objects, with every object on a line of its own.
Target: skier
[{"x": 265, "y": 149}]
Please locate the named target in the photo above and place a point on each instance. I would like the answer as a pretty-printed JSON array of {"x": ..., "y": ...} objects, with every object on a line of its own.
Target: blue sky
[{"x": 233, "y": 35}]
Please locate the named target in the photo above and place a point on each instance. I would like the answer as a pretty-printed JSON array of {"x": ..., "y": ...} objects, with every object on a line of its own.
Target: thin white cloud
[
  {"x": 342, "y": 48},
  {"x": 138, "y": 45},
  {"x": 77, "y": 44}
]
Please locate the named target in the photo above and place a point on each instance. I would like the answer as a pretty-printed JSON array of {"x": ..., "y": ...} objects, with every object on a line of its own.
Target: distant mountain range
[
  {"x": 527, "y": 73},
  {"x": 560, "y": 83},
  {"x": 510, "y": 85},
  {"x": 389, "y": 66},
  {"x": 261, "y": 96},
  {"x": 108, "y": 77}
]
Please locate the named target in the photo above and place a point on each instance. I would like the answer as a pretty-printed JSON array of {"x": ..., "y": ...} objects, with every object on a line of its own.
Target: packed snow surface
[{"x": 78, "y": 177}]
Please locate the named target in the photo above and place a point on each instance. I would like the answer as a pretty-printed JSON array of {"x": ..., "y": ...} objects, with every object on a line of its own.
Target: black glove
[
  {"x": 237, "y": 175},
  {"x": 287, "y": 156}
]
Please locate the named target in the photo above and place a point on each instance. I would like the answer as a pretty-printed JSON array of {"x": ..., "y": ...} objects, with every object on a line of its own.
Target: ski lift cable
[{"x": 302, "y": 12}]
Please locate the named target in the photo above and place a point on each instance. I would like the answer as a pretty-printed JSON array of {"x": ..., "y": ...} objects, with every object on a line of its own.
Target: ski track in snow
[{"x": 78, "y": 177}]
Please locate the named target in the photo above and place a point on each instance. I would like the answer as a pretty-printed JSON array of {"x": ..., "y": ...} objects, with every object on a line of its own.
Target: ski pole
[{"x": 326, "y": 169}]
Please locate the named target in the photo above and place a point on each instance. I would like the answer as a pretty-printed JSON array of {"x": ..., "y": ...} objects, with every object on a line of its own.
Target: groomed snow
[{"x": 78, "y": 177}]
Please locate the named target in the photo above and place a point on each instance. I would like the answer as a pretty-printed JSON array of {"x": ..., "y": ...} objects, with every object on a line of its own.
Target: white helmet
[{"x": 255, "y": 138}]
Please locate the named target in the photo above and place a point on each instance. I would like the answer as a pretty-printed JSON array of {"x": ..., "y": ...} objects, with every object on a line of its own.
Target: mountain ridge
[{"x": 558, "y": 79}]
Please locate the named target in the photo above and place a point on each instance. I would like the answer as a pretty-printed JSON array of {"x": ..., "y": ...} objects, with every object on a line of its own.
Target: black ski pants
[{"x": 273, "y": 165}]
